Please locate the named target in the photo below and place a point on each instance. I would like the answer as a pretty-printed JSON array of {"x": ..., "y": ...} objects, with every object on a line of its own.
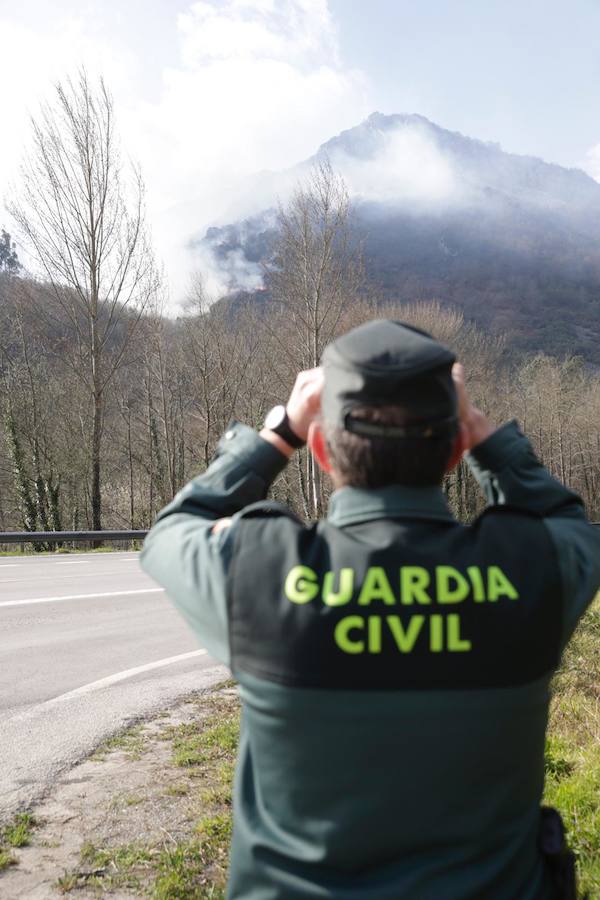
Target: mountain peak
[
  {"x": 365, "y": 139},
  {"x": 402, "y": 140},
  {"x": 383, "y": 121},
  {"x": 512, "y": 240},
  {"x": 368, "y": 135}
]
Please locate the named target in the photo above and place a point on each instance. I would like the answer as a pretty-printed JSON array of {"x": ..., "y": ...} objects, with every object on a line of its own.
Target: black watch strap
[{"x": 283, "y": 428}]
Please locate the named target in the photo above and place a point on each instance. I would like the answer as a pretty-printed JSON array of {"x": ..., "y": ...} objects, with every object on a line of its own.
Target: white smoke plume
[
  {"x": 591, "y": 164},
  {"x": 408, "y": 170}
]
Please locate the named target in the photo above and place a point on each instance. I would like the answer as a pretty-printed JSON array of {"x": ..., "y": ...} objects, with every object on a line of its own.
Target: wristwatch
[{"x": 277, "y": 421}]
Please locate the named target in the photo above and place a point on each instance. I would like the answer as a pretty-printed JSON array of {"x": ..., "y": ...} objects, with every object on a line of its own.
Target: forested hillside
[
  {"x": 511, "y": 240},
  {"x": 109, "y": 405},
  {"x": 182, "y": 381}
]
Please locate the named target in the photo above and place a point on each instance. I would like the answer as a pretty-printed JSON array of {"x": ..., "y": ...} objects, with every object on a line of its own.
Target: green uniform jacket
[{"x": 427, "y": 788}]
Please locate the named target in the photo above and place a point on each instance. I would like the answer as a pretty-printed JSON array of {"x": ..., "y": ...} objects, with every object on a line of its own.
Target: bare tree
[
  {"x": 316, "y": 272},
  {"x": 81, "y": 212},
  {"x": 315, "y": 275}
]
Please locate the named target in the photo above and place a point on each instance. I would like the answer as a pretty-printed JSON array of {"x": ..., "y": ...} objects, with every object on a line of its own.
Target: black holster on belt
[{"x": 559, "y": 860}]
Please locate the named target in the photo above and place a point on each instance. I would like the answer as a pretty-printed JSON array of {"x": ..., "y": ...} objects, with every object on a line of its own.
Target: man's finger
[
  {"x": 317, "y": 380},
  {"x": 311, "y": 376},
  {"x": 458, "y": 375}
]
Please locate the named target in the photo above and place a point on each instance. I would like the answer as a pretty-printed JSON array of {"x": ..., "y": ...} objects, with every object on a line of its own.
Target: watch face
[{"x": 275, "y": 417}]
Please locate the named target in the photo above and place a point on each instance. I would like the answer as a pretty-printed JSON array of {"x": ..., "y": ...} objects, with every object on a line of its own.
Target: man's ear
[
  {"x": 460, "y": 445},
  {"x": 318, "y": 447}
]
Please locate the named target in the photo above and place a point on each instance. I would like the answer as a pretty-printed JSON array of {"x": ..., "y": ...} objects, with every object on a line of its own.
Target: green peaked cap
[{"x": 389, "y": 363}]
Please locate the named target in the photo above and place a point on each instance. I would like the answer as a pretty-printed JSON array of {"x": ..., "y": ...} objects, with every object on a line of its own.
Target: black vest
[{"x": 394, "y": 603}]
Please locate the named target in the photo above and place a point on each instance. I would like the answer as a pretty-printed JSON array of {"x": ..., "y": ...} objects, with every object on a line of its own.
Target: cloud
[
  {"x": 259, "y": 86},
  {"x": 296, "y": 31},
  {"x": 248, "y": 85},
  {"x": 31, "y": 63}
]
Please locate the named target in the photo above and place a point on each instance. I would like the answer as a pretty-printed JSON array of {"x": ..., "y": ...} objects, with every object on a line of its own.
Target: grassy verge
[
  {"x": 193, "y": 865},
  {"x": 132, "y": 742},
  {"x": 198, "y": 867},
  {"x": 16, "y": 834},
  {"x": 29, "y": 550},
  {"x": 573, "y": 748}
]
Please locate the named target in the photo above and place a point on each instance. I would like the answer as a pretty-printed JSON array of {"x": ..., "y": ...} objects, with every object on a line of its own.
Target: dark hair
[{"x": 374, "y": 462}]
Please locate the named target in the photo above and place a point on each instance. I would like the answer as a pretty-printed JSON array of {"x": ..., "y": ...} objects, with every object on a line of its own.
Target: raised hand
[
  {"x": 475, "y": 427},
  {"x": 304, "y": 404}
]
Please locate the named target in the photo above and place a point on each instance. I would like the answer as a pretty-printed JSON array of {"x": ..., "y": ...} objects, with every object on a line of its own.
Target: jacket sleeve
[
  {"x": 183, "y": 555},
  {"x": 509, "y": 472}
]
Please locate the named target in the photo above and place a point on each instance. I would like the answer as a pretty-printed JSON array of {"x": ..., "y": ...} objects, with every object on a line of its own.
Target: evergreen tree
[
  {"x": 26, "y": 503},
  {"x": 9, "y": 261}
]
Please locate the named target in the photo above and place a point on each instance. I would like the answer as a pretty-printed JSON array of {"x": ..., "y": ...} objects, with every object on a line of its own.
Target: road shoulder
[{"x": 148, "y": 813}]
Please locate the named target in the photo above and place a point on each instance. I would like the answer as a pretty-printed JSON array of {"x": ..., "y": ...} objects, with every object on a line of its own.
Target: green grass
[
  {"x": 193, "y": 868},
  {"x": 6, "y": 859},
  {"x": 67, "y": 882},
  {"x": 132, "y": 742},
  {"x": 206, "y": 750},
  {"x": 195, "y": 746},
  {"x": 197, "y": 868},
  {"x": 16, "y": 834},
  {"x": 29, "y": 551},
  {"x": 123, "y": 800},
  {"x": 124, "y": 857},
  {"x": 573, "y": 749},
  {"x": 177, "y": 790},
  {"x": 109, "y": 868}
]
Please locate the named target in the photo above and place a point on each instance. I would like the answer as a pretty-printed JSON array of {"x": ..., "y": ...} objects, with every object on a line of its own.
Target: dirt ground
[{"x": 132, "y": 793}]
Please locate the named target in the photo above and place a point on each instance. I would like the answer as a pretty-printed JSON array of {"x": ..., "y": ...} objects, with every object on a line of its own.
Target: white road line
[
  {"x": 77, "y": 576},
  {"x": 78, "y": 597},
  {"x": 42, "y": 559},
  {"x": 9, "y": 565},
  {"x": 122, "y": 676},
  {"x": 75, "y": 562},
  {"x": 103, "y": 683}
]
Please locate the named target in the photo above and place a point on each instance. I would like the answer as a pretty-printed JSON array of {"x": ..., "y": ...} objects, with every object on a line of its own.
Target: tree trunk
[
  {"x": 131, "y": 482},
  {"x": 96, "y": 498}
]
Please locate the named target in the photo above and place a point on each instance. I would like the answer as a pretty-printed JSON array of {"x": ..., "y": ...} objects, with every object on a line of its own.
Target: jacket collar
[{"x": 350, "y": 505}]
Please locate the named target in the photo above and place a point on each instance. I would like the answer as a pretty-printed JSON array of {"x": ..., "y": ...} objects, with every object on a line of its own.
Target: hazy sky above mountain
[{"x": 208, "y": 93}]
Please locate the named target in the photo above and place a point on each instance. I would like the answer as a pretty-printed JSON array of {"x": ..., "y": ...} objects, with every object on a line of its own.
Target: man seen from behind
[{"x": 393, "y": 663}]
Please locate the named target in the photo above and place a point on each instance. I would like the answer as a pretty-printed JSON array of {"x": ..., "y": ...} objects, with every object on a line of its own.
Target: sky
[{"x": 208, "y": 93}]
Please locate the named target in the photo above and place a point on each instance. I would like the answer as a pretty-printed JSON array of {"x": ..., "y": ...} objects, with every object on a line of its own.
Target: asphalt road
[{"x": 88, "y": 643}]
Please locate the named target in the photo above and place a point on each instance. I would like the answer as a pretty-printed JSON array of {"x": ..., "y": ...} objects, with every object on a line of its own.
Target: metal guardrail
[{"x": 37, "y": 537}]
